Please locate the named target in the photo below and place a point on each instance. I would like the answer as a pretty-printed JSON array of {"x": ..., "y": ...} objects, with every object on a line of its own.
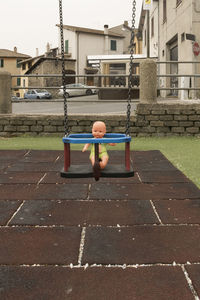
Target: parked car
[
  {"x": 37, "y": 94},
  {"x": 15, "y": 98},
  {"x": 78, "y": 89}
]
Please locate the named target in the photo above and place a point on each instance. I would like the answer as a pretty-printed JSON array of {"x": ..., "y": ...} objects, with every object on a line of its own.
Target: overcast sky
[{"x": 30, "y": 24}]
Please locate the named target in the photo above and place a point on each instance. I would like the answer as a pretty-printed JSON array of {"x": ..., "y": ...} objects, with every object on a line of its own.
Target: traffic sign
[{"x": 196, "y": 49}]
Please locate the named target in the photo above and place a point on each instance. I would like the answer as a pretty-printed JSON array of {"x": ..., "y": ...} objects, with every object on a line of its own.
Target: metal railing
[{"x": 103, "y": 81}]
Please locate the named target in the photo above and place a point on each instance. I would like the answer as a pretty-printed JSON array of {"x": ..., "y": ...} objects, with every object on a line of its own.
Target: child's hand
[{"x": 85, "y": 147}]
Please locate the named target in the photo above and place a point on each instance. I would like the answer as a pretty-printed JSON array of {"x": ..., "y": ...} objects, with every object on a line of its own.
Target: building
[
  {"x": 174, "y": 33},
  {"x": 80, "y": 43},
  {"x": 10, "y": 62},
  {"x": 48, "y": 63}
]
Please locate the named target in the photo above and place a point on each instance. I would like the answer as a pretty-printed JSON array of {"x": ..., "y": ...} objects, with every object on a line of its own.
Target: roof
[
  {"x": 12, "y": 54},
  {"x": 90, "y": 31},
  {"x": 40, "y": 59}
]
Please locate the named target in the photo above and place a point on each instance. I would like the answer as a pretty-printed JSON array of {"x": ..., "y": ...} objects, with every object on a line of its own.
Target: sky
[{"x": 31, "y": 24}]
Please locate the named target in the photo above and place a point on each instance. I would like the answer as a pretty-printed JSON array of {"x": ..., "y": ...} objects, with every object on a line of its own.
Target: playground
[{"x": 130, "y": 238}]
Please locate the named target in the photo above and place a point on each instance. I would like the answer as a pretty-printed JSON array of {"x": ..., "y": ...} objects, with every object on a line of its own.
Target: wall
[{"x": 163, "y": 119}]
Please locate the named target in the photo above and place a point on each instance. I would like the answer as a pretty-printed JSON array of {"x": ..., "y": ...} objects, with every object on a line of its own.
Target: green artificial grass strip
[{"x": 183, "y": 152}]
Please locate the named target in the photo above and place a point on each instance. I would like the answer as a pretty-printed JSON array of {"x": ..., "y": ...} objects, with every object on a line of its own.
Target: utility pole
[{"x": 148, "y": 37}]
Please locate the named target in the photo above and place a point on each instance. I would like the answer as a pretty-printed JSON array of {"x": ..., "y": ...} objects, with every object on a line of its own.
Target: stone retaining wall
[{"x": 161, "y": 119}]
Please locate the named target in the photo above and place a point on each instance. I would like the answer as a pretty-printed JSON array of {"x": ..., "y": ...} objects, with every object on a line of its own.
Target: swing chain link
[
  {"x": 66, "y": 127},
  {"x": 130, "y": 77}
]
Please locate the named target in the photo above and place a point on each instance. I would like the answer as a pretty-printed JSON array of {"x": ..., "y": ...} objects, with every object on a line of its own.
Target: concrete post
[
  {"x": 5, "y": 93},
  {"x": 148, "y": 81}
]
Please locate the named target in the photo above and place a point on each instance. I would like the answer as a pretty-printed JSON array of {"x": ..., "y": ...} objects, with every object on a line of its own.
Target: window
[
  {"x": 178, "y": 2},
  {"x": 18, "y": 63},
  {"x": 66, "y": 46},
  {"x": 1, "y": 63},
  {"x": 18, "y": 81},
  {"x": 152, "y": 26},
  {"x": 113, "y": 45},
  {"x": 164, "y": 11}
]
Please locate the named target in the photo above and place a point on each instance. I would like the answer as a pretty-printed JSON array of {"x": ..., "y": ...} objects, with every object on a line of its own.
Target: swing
[{"x": 111, "y": 170}]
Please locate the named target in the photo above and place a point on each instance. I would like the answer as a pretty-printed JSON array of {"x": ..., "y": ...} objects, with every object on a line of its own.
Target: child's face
[{"x": 98, "y": 130}]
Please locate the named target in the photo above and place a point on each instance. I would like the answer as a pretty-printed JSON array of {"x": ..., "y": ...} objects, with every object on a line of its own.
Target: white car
[
  {"x": 37, "y": 94},
  {"x": 78, "y": 89}
]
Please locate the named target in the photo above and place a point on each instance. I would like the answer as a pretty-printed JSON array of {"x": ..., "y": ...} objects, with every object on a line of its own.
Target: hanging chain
[
  {"x": 66, "y": 127},
  {"x": 130, "y": 81}
]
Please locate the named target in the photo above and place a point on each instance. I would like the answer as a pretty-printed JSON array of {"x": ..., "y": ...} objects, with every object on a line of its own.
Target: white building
[
  {"x": 174, "y": 34},
  {"x": 81, "y": 42}
]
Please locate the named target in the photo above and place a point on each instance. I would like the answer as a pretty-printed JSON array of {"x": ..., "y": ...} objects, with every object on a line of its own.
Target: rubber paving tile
[
  {"x": 35, "y": 167},
  {"x": 85, "y": 213},
  {"x": 75, "y": 191},
  {"x": 43, "y": 156},
  {"x": 7, "y": 209},
  {"x": 145, "y": 156},
  {"x": 142, "y": 245},
  {"x": 179, "y": 212},
  {"x": 11, "y": 154},
  {"x": 30, "y": 245},
  {"x": 162, "y": 177},
  {"x": 111, "y": 191},
  {"x": 194, "y": 275},
  {"x": 153, "y": 166},
  {"x": 17, "y": 191},
  {"x": 21, "y": 177},
  {"x": 58, "y": 283},
  {"x": 54, "y": 177}
]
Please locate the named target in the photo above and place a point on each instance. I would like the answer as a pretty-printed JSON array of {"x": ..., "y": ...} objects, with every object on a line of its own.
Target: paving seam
[
  {"x": 14, "y": 214},
  {"x": 101, "y": 226},
  {"x": 41, "y": 179},
  {"x": 155, "y": 211},
  {"x": 190, "y": 284},
  {"x": 122, "y": 266},
  {"x": 139, "y": 177},
  {"x": 27, "y": 153},
  {"x": 82, "y": 243},
  {"x": 88, "y": 192}
]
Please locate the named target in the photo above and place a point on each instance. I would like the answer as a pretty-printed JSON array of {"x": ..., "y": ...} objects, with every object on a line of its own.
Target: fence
[
  {"x": 151, "y": 118},
  {"x": 120, "y": 81}
]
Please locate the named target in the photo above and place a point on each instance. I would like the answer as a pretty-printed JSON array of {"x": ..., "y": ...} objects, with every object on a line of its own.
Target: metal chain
[
  {"x": 130, "y": 81},
  {"x": 66, "y": 127}
]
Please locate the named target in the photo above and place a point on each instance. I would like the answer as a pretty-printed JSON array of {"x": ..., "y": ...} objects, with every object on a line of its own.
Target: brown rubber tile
[
  {"x": 162, "y": 177},
  {"x": 84, "y": 213},
  {"x": 17, "y": 191},
  {"x": 74, "y": 191},
  {"x": 142, "y": 245},
  {"x": 58, "y": 283},
  {"x": 194, "y": 274},
  {"x": 11, "y": 154},
  {"x": 153, "y": 166},
  {"x": 53, "y": 177},
  {"x": 20, "y": 177},
  {"x": 35, "y": 167},
  {"x": 26, "y": 245},
  {"x": 43, "y": 156},
  {"x": 179, "y": 212},
  {"x": 7, "y": 209},
  {"x": 111, "y": 191},
  {"x": 145, "y": 156}
]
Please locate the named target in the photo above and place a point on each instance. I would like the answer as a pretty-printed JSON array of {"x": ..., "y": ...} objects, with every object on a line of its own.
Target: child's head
[{"x": 98, "y": 129}]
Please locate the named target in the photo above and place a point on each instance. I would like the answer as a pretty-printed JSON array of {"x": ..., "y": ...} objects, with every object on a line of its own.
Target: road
[{"x": 79, "y": 105}]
